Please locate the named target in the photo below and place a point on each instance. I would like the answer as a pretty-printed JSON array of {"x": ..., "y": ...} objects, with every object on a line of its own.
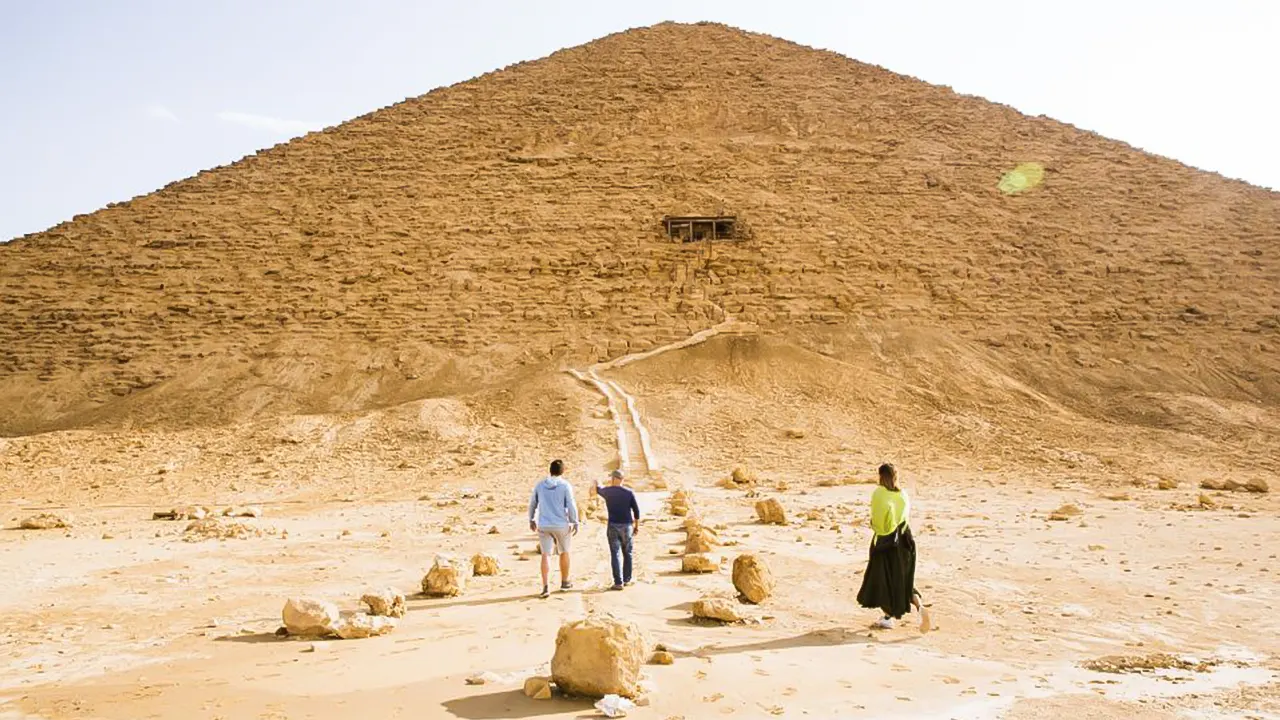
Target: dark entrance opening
[{"x": 700, "y": 228}]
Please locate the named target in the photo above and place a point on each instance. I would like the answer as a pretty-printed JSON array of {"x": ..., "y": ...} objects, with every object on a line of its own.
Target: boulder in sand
[
  {"x": 309, "y": 617},
  {"x": 485, "y": 564},
  {"x": 44, "y": 521},
  {"x": 770, "y": 512},
  {"x": 446, "y": 578},
  {"x": 598, "y": 656},
  {"x": 360, "y": 625},
  {"x": 752, "y": 578},
  {"x": 538, "y": 688},
  {"x": 699, "y": 563},
  {"x": 717, "y": 608},
  {"x": 662, "y": 657},
  {"x": 384, "y": 603},
  {"x": 1064, "y": 513},
  {"x": 248, "y": 511}
]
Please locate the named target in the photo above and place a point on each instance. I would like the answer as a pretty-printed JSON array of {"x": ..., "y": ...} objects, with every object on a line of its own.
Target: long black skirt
[{"x": 890, "y": 580}]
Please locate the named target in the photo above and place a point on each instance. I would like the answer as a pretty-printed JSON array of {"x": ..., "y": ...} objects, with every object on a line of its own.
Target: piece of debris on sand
[
  {"x": 44, "y": 521},
  {"x": 598, "y": 656},
  {"x": 1147, "y": 663},
  {"x": 359, "y": 625},
  {"x": 385, "y": 602},
  {"x": 1066, "y": 512},
  {"x": 739, "y": 477},
  {"x": 215, "y": 528},
  {"x": 248, "y": 511}
]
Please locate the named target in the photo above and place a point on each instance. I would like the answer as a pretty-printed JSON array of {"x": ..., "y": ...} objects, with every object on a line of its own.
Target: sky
[{"x": 102, "y": 101}]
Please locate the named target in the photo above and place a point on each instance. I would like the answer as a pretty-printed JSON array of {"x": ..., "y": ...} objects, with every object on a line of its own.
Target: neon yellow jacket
[{"x": 889, "y": 509}]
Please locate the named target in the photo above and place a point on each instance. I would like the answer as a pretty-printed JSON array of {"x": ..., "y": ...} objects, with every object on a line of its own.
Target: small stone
[
  {"x": 484, "y": 678},
  {"x": 493, "y": 529},
  {"x": 1257, "y": 485},
  {"x": 320, "y": 646},
  {"x": 717, "y": 608},
  {"x": 662, "y": 657},
  {"x": 360, "y": 625},
  {"x": 538, "y": 688},
  {"x": 44, "y": 521},
  {"x": 770, "y": 512},
  {"x": 447, "y": 577},
  {"x": 483, "y": 563},
  {"x": 752, "y": 578},
  {"x": 386, "y": 602},
  {"x": 1167, "y": 484},
  {"x": 795, "y": 433},
  {"x": 698, "y": 563},
  {"x": 307, "y": 616},
  {"x": 1066, "y": 512},
  {"x": 1206, "y": 501}
]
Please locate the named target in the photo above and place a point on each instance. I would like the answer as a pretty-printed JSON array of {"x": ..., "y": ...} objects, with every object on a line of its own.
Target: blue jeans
[{"x": 620, "y": 543}]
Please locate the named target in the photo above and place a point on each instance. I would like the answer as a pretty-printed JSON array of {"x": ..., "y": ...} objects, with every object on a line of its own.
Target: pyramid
[{"x": 513, "y": 222}]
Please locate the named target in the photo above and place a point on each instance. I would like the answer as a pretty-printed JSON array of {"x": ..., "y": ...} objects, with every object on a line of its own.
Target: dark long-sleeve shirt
[{"x": 623, "y": 508}]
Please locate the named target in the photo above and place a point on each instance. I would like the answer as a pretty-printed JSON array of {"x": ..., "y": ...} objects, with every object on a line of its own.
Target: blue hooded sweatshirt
[{"x": 552, "y": 504}]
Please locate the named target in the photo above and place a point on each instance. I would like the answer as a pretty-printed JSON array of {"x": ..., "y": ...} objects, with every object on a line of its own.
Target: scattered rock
[
  {"x": 752, "y": 578},
  {"x": 698, "y": 563},
  {"x": 795, "y": 433},
  {"x": 770, "y": 512},
  {"x": 483, "y": 563},
  {"x": 1147, "y": 663},
  {"x": 1167, "y": 484},
  {"x": 1066, "y": 512},
  {"x": 1257, "y": 485},
  {"x": 1206, "y": 501},
  {"x": 493, "y": 529},
  {"x": 599, "y": 656},
  {"x": 214, "y": 528},
  {"x": 538, "y": 688},
  {"x": 360, "y": 625},
  {"x": 385, "y": 603},
  {"x": 446, "y": 578},
  {"x": 662, "y": 657},
  {"x": 190, "y": 512},
  {"x": 484, "y": 678},
  {"x": 44, "y": 521},
  {"x": 250, "y": 511},
  {"x": 717, "y": 608},
  {"x": 309, "y": 617},
  {"x": 1118, "y": 496},
  {"x": 741, "y": 476}
]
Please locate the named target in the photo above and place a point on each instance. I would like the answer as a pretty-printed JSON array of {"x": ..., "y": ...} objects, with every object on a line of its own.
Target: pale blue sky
[{"x": 101, "y": 100}]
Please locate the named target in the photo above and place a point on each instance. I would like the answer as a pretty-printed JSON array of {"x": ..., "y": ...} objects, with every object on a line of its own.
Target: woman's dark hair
[
  {"x": 557, "y": 467},
  {"x": 889, "y": 476}
]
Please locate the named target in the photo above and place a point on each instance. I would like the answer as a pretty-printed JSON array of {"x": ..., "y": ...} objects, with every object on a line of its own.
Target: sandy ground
[{"x": 144, "y": 625}]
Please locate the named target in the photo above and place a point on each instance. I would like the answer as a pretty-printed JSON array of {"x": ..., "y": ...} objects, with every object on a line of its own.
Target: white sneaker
[{"x": 884, "y": 623}]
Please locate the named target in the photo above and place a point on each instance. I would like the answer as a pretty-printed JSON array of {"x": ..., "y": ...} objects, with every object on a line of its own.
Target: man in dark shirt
[{"x": 624, "y": 523}]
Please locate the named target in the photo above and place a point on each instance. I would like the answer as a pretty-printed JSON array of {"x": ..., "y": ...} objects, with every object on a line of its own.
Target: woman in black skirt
[{"x": 890, "y": 578}]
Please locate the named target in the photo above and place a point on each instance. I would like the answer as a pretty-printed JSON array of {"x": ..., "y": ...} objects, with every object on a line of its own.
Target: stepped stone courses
[{"x": 529, "y": 199}]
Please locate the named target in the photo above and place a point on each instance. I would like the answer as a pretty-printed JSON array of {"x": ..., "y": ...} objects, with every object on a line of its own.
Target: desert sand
[{"x": 379, "y": 335}]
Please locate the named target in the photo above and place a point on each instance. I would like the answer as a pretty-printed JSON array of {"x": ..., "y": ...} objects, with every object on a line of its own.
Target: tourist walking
[
  {"x": 554, "y": 516},
  {"x": 624, "y": 523},
  {"x": 889, "y": 581}
]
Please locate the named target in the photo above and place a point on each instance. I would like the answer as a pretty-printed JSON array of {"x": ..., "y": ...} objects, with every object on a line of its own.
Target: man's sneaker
[
  {"x": 545, "y": 592},
  {"x": 566, "y": 585},
  {"x": 629, "y": 583},
  {"x": 616, "y": 586},
  {"x": 884, "y": 623}
]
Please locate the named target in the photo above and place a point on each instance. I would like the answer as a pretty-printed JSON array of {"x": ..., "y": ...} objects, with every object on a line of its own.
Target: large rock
[
  {"x": 717, "y": 608},
  {"x": 446, "y": 578},
  {"x": 309, "y": 617},
  {"x": 770, "y": 512},
  {"x": 44, "y": 521},
  {"x": 599, "y": 656},
  {"x": 752, "y": 578},
  {"x": 360, "y": 625},
  {"x": 698, "y": 563},
  {"x": 385, "y": 603},
  {"x": 485, "y": 564}
]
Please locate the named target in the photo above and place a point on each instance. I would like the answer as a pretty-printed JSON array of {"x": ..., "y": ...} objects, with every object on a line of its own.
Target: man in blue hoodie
[{"x": 554, "y": 516}]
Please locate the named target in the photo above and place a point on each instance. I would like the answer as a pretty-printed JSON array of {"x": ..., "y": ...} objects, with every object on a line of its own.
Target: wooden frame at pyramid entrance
[{"x": 699, "y": 228}]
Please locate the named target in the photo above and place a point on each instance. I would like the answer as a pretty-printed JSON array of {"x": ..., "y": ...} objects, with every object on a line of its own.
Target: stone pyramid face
[{"x": 514, "y": 220}]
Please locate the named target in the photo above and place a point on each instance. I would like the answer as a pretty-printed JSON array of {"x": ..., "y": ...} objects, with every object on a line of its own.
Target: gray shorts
[{"x": 554, "y": 541}]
